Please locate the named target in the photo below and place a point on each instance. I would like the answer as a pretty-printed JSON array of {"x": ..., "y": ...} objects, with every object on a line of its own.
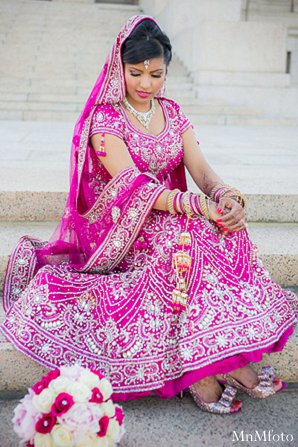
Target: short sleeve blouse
[{"x": 107, "y": 120}]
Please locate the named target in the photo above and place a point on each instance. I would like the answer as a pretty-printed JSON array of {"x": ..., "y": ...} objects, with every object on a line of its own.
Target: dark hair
[{"x": 147, "y": 41}]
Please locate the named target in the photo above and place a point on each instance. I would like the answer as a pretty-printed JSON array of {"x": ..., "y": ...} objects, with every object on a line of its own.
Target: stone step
[
  {"x": 170, "y": 417},
  {"x": 206, "y": 119},
  {"x": 206, "y": 114},
  {"x": 242, "y": 78},
  {"x": 240, "y": 120},
  {"x": 18, "y": 372},
  {"x": 276, "y": 243},
  {"x": 48, "y": 205},
  {"x": 272, "y": 102},
  {"x": 75, "y": 102},
  {"x": 237, "y": 154}
]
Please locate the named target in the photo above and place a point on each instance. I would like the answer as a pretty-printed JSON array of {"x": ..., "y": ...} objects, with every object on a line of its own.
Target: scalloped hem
[{"x": 174, "y": 387}]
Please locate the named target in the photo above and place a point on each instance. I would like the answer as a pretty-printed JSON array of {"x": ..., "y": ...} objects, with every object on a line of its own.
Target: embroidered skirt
[{"x": 123, "y": 324}]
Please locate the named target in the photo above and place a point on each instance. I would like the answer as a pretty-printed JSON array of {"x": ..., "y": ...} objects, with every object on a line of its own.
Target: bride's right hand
[{"x": 213, "y": 207}]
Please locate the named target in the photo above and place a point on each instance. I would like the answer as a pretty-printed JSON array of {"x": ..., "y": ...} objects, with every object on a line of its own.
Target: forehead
[{"x": 156, "y": 63}]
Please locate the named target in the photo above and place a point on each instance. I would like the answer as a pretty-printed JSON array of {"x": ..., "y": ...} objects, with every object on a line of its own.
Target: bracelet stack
[
  {"x": 188, "y": 203},
  {"x": 222, "y": 190}
]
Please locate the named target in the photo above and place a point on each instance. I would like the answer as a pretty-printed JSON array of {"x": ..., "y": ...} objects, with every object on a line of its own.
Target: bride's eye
[{"x": 134, "y": 74}]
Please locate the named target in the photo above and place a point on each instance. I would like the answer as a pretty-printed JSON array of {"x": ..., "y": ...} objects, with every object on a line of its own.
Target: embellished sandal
[
  {"x": 225, "y": 405},
  {"x": 265, "y": 387}
]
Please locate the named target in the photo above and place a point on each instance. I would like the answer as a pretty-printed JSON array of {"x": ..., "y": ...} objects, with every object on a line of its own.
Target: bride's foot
[
  {"x": 209, "y": 389},
  {"x": 210, "y": 396},
  {"x": 256, "y": 385},
  {"x": 249, "y": 378}
]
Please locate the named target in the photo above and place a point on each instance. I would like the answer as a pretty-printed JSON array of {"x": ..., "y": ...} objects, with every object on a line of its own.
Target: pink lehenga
[{"x": 92, "y": 295}]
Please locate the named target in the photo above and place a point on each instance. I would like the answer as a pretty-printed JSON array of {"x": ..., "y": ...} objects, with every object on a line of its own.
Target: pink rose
[
  {"x": 62, "y": 404},
  {"x": 103, "y": 426},
  {"x": 53, "y": 374},
  {"x": 97, "y": 373},
  {"x": 119, "y": 415},
  {"x": 45, "y": 424},
  {"x": 40, "y": 386},
  {"x": 97, "y": 396},
  {"x": 25, "y": 418},
  {"x": 82, "y": 416},
  {"x": 45, "y": 380}
]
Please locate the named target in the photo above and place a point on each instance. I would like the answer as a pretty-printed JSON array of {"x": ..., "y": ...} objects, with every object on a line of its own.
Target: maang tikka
[{"x": 146, "y": 63}]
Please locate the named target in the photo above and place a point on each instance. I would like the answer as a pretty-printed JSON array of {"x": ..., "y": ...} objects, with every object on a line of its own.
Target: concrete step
[
  {"x": 272, "y": 102},
  {"x": 43, "y": 205},
  {"x": 168, "y": 420},
  {"x": 243, "y": 78},
  {"x": 18, "y": 372},
  {"x": 206, "y": 114},
  {"x": 239, "y": 120},
  {"x": 205, "y": 119},
  {"x": 276, "y": 243},
  {"x": 260, "y": 161}
]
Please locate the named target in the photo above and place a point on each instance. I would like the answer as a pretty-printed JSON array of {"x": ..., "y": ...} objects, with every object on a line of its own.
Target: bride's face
[{"x": 142, "y": 83}]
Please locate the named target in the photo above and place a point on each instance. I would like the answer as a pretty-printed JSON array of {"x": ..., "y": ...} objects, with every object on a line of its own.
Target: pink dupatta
[{"x": 98, "y": 227}]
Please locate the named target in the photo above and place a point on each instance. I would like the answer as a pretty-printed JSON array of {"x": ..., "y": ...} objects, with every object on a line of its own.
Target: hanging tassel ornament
[
  {"x": 101, "y": 152},
  {"x": 181, "y": 264}
]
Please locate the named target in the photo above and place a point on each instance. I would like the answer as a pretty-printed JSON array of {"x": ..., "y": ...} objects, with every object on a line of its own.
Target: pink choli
[{"x": 159, "y": 154}]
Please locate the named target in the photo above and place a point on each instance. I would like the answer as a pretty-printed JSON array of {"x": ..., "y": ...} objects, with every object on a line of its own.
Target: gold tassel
[
  {"x": 181, "y": 263},
  {"x": 185, "y": 239},
  {"x": 102, "y": 152}
]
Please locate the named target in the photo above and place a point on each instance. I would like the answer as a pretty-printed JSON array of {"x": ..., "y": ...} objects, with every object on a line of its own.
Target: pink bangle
[
  {"x": 197, "y": 204},
  {"x": 174, "y": 202},
  {"x": 180, "y": 205},
  {"x": 192, "y": 202}
]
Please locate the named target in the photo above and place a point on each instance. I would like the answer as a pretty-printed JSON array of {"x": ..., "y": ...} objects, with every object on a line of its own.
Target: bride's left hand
[{"x": 232, "y": 215}]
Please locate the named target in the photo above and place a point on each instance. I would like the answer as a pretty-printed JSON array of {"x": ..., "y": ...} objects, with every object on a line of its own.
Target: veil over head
[{"x": 71, "y": 241}]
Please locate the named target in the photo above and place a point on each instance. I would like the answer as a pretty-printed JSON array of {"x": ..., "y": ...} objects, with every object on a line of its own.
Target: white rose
[
  {"x": 105, "y": 388},
  {"x": 43, "y": 440},
  {"x": 113, "y": 430},
  {"x": 62, "y": 437},
  {"x": 89, "y": 379},
  {"x": 44, "y": 401},
  {"x": 89, "y": 441},
  {"x": 59, "y": 385},
  {"x": 103, "y": 442},
  {"x": 79, "y": 391},
  {"x": 108, "y": 408}
]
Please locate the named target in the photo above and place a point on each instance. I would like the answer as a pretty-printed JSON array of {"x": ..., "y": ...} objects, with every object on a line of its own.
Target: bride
[{"x": 157, "y": 287}]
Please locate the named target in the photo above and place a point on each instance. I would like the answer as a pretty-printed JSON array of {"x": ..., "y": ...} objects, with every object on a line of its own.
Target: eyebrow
[{"x": 153, "y": 71}]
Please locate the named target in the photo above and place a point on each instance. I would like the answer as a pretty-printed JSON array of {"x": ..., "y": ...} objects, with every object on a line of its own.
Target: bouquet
[{"x": 69, "y": 407}]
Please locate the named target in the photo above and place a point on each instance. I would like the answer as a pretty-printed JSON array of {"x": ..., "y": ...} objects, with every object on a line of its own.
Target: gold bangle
[
  {"x": 170, "y": 200},
  {"x": 240, "y": 198},
  {"x": 186, "y": 204},
  {"x": 215, "y": 188},
  {"x": 204, "y": 206}
]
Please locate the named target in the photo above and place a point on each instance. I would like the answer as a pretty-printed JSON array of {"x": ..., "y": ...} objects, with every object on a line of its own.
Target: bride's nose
[{"x": 145, "y": 82}]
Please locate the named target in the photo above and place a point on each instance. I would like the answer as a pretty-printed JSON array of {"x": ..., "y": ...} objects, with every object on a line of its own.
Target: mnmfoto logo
[{"x": 266, "y": 436}]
